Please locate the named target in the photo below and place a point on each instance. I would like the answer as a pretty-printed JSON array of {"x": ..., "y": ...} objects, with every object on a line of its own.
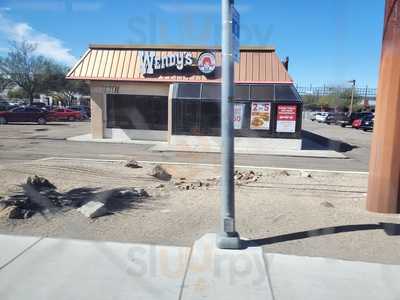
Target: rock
[
  {"x": 198, "y": 184},
  {"x": 39, "y": 183},
  {"x": 5, "y": 212},
  {"x": 126, "y": 194},
  {"x": 305, "y": 174},
  {"x": 130, "y": 193},
  {"x": 93, "y": 209},
  {"x": 160, "y": 173},
  {"x": 14, "y": 212},
  {"x": 141, "y": 192},
  {"x": 254, "y": 179},
  {"x": 160, "y": 186},
  {"x": 327, "y": 204},
  {"x": 284, "y": 173},
  {"x": 133, "y": 164}
]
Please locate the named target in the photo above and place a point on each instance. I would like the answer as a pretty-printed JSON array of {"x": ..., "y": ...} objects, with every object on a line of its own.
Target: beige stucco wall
[
  {"x": 99, "y": 90},
  {"x": 97, "y": 107}
]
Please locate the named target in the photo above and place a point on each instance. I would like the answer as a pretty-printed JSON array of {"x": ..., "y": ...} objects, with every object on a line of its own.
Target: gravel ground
[{"x": 284, "y": 211}]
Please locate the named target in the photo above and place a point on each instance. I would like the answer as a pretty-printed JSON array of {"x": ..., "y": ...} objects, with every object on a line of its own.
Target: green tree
[
  {"x": 4, "y": 83},
  {"x": 311, "y": 102},
  {"x": 64, "y": 90},
  {"x": 32, "y": 73},
  {"x": 17, "y": 93},
  {"x": 339, "y": 99}
]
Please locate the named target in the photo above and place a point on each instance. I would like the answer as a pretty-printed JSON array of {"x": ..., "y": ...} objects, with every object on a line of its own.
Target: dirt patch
[{"x": 286, "y": 211}]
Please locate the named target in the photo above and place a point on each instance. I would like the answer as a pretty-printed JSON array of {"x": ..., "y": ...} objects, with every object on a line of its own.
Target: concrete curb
[{"x": 288, "y": 153}]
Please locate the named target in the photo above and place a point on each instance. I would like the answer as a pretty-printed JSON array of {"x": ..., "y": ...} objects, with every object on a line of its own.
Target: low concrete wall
[
  {"x": 134, "y": 134},
  {"x": 242, "y": 143}
]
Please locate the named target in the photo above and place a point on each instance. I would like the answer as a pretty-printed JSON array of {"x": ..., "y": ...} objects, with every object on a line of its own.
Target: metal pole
[
  {"x": 228, "y": 238},
  {"x": 352, "y": 96},
  {"x": 384, "y": 167}
]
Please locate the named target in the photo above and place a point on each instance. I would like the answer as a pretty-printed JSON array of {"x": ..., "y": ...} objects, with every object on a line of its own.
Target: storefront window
[
  {"x": 242, "y": 92},
  {"x": 186, "y": 117},
  {"x": 262, "y": 92},
  {"x": 255, "y": 110},
  {"x": 211, "y": 91},
  {"x": 210, "y": 118},
  {"x": 285, "y": 92},
  {"x": 137, "y": 112},
  {"x": 189, "y": 90}
]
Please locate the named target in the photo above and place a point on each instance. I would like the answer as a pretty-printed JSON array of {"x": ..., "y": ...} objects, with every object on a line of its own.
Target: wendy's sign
[{"x": 151, "y": 62}]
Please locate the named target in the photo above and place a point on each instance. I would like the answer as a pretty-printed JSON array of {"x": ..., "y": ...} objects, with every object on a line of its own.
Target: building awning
[{"x": 123, "y": 63}]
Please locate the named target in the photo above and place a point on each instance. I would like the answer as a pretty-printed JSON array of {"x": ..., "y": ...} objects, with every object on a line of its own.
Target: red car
[
  {"x": 62, "y": 114},
  {"x": 25, "y": 114},
  {"x": 357, "y": 123}
]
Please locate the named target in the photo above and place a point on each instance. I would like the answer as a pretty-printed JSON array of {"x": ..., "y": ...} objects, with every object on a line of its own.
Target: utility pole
[
  {"x": 384, "y": 167},
  {"x": 352, "y": 95},
  {"x": 228, "y": 238}
]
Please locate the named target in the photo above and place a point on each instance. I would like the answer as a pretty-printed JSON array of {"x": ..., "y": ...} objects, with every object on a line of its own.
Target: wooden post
[{"x": 384, "y": 176}]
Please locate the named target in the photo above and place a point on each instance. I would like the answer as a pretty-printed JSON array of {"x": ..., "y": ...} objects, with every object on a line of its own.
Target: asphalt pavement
[{"x": 25, "y": 142}]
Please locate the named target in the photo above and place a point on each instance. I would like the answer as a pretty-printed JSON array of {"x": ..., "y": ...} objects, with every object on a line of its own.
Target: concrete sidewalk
[{"x": 46, "y": 268}]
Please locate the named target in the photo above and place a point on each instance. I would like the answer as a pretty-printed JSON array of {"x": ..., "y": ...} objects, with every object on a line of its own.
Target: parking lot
[{"x": 24, "y": 142}]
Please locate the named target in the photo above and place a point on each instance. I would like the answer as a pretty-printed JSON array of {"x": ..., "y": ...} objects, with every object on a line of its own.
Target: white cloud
[{"x": 48, "y": 46}]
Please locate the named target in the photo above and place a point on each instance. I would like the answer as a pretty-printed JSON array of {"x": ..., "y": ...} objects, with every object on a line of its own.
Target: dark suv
[
  {"x": 25, "y": 114},
  {"x": 348, "y": 119}
]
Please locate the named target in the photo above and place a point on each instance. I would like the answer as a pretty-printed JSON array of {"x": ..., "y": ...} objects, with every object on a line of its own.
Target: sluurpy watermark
[
  {"x": 157, "y": 28},
  {"x": 202, "y": 263}
]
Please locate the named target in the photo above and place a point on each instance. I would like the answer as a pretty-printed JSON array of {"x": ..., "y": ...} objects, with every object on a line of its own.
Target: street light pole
[
  {"x": 228, "y": 238},
  {"x": 352, "y": 95}
]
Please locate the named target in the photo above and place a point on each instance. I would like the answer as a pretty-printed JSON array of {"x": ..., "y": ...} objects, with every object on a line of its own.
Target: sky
[{"x": 328, "y": 41}]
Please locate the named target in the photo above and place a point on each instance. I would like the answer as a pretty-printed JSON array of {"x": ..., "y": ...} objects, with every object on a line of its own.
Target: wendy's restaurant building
[{"x": 172, "y": 94}]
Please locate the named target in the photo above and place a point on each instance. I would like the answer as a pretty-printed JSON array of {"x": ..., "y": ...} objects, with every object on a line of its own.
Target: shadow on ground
[
  {"x": 49, "y": 201},
  {"x": 391, "y": 229},
  {"x": 313, "y": 141}
]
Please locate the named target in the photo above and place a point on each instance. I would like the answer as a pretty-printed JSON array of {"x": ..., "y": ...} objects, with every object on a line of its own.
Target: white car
[{"x": 321, "y": 117}]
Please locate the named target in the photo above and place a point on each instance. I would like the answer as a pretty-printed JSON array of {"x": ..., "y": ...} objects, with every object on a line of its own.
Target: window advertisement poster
[
  {"x": 286, "y": 119},
  {"x": 260, "y": 115},
  {"x": 238, "y": 114}
]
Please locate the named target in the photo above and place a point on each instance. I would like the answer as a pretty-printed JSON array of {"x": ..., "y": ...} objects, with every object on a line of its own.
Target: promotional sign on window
[
  {"x": 286, "y": 119},
  {"x": 260, "y": 115},
  {"x": 238, "y": 113}
]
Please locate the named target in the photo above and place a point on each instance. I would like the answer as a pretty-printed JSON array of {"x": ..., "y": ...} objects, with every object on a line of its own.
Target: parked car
[
  {"x": 359, "y": 122},
  {"x": 25, "y": 114},
  {"x": 367, "y": 124},
  {"x": 356, "y": 123},
  {"x": 84, "y": 110},
  {"x": 330, "y": 119},
  {"x": 39, "y": 104},
  {"x": 313, "y": 116},
  {"x": 321, "y": 117},
  {"x": 4, "y": 105},
  {"x": 63, "y": 114},
  {"x": 348, "y": 119}
]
